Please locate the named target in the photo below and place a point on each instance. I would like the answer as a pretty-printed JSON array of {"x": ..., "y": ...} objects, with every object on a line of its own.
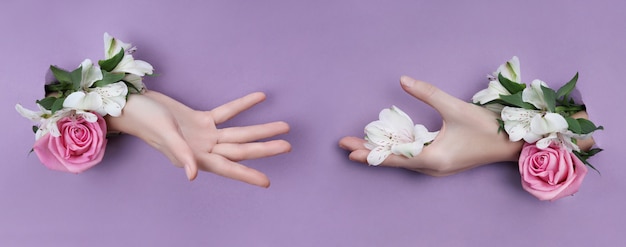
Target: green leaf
[
  {"x": 61, "y": 75},
  {"x": 550, "y": 97},
  {"x": 511, "y": 86},
  {"x": 500, "y": 125},
  {"x": 108, "y": 78},
  {"x": 111, "y": 63},
  {"x": 58, "y": 87},
  {"x": 573, "y": 125},
  {"x": 516, "y": 101},
  {"x": 76, "y": 76},
  {"x": 35, "y": 128},
  {"x": 131, "y": 86},
  {"x": 587, "y": 126},
  {"x": 566, "y": 89},
  {"x": 57, "y": 105},
  {"x": 47, "y": 102},
  {"x": 583, "y": 157},
  {"x": 594, "y": 151}
]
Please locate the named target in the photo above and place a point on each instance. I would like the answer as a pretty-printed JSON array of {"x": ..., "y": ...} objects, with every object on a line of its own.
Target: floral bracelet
[
  {"x": 70, "y": 130},
  {"x": 551, "y": 164}
]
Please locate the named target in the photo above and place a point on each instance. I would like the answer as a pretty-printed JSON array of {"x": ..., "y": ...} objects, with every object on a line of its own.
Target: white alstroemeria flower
[
  {"x": 135, "y": 80},
  {"x": 132, "y": 66},
  {"x": 113, "y": 46},
  {"x": 517, "y": 123},
  {"x": 548, "y": 123},
  {"x": 563, "y": 139},
  {"x": 534, "y": 94},
  {"x": 39, "y": 117},
  {"x": 531, "y": 125},
  {"x": 109, "y": 99},
  {"x": 85, "y": 99},
  {"x": 510, "y": 70},
  {"x": 113, "y": 98},
  {"x": 47, "y": 122},
  {"x": 395, "y": 133}
]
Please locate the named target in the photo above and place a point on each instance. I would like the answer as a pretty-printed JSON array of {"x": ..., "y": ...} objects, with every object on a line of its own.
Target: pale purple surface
[{"x": 328, "y": 68}]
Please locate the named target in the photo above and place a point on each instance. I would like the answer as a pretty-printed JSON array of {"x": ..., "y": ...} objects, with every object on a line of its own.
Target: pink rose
[
  {"x": 550, "y": 173},
  {"x": 80, "y": 146}
]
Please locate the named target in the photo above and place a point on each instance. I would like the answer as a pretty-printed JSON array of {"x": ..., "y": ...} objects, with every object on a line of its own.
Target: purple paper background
[{"x": 328, "y": 68}]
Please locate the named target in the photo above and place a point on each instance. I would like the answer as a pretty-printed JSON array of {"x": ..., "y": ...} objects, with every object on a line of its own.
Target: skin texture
[
  {"x": 191, "y": 139},
  {"x": 468, "y": 137}
]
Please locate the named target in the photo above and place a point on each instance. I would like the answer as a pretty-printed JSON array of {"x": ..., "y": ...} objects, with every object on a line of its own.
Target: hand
[
  {"x": 190, "y": 138},
  {"x": 468, "y": 137}
]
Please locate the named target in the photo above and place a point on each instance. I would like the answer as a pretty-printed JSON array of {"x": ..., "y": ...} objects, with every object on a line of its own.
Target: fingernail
[
  {"x": 189, "y": 172},
  {"x": 407, "y": 81}
]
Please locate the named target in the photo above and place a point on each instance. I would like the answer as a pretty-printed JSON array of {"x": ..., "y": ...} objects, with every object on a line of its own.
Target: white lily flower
[
  {"x": 534, "y": 94},
  {"x": 510, "y": 70},
  {"x": 395, "y": 133}
]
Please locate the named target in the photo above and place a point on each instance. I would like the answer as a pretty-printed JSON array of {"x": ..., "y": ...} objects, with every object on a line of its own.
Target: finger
[
  {"x": 429, "y": 94},
  {"x": 180, "y": 154},
  {"x": 229, "y": 110},
  {"x": 352, "y": 143},
  {"x": 395, "y": 161},
  {"x": 255, "y": 150},
  {"x": 221, "y": 166},
  {"x": 360, "y": 155},
  {"x": 251, "y": 133}
]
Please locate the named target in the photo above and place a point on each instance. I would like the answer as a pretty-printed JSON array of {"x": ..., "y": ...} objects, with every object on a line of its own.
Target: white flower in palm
[
  {"x": 510, "y": 70},
  {"x": 128, "y": 64},
  {"x": 531, "y": 125},
  {"x": 394, "y": 133},
  {"x": 109, "y": 99}
]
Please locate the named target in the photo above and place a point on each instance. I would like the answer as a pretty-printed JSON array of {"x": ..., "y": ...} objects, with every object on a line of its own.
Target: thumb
[
  {"x": 179, "y": 153},
  {"x": 428, "y": 94}
]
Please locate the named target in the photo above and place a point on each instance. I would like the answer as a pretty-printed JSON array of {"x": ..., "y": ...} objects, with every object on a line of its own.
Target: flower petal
[
  {"x": 517, "y": 114},
  {"x": 90, "y": 74},
  {"x": 549, "y": 123},
  {"x": 511, "y": 70},
  {"x": 378, "y": 132},
  {"x": 378, "y": 155},
  {"x": 32, "y": 115},
  {"x": 136, "y": 67},
  {"x": 422, "y": 134},
  {"x": 396, "y": 118},
  {"x": 534, "y": 94},
  {"x": 408, "y": 150},
  {"x": 135, "y": 80},
  {"x": 83, "y": 101},
  {"x": 112, "y": 46}
]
